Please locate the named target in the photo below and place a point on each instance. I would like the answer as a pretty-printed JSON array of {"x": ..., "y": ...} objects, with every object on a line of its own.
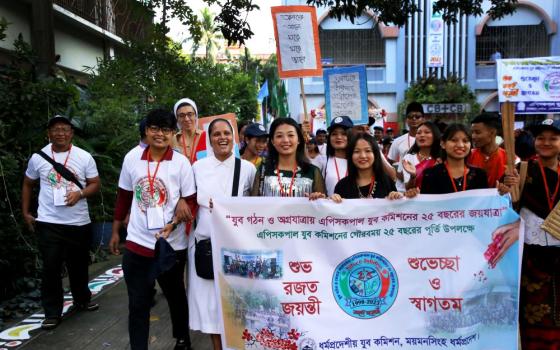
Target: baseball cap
[
  {"x": 255, "y": 130},
  {"x": 547, "y": 124},
  {"x": 343, "y": 121},
  {"x": 59, "y": 119}
]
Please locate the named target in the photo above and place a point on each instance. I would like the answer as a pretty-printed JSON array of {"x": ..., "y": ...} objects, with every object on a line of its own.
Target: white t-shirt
[
  {"x": 322, "y": 149},
  {"x": 82, "y": 164},
  {"x": 174, "y": 180},
  {"x": 330, "y": 174},
  {"x": 412, "y": 159},
  {"x": 320, "y": 161},
  {"x": 398, "y": 150},
  {"x": 400, "y": 147},
  {"x": 214, "y": 179}
]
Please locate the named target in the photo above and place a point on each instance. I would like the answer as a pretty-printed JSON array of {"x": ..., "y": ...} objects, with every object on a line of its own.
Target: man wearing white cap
[{"x": 190, "y": 141}]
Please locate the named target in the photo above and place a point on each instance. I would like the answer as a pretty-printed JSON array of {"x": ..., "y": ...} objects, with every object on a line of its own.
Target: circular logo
[
  {"x": 365, "y": 285},
  {"x": 548, "y": 122},
  {"x": 261, "y": 128},
  {"x": 307, "y": 344},
  {"x": 551, "y": 84},
  {"x": 144, "y": 197},
  {"x": 338, "y": 120}
]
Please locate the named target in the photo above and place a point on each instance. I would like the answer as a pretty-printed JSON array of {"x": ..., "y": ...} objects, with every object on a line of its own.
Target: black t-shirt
[
  {"x": 436, "y": 180},
  {"x": 348, "y": 188},
  {"x": 534, "y": 193}
]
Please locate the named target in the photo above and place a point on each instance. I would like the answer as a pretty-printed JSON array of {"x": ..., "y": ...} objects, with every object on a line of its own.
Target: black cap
[
  {"x": 387, "y": 140},
  {"x": 389, "y": 129},
  {"x": 343, "y": 121},
  {"x": 255, "y": 130},
  {"x": 377, "y": 128},
  {"x": 59, "y": 119},
  {"x": 414, "y": 107},
  {"x": 547, "y": 124}
]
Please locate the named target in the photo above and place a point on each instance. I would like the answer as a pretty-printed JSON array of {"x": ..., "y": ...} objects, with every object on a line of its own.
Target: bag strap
[
  {"x": 236, "y": 173},
  {"x": 522, "y": 176},
  {"x": 61, "y": 169}
]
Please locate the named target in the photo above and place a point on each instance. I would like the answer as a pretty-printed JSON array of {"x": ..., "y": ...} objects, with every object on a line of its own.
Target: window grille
[
  {"x": 513, "y": 42},
  {"x": 352, "y": 46}
]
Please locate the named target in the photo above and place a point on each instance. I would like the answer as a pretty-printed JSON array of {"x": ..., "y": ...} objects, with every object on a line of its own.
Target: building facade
[
  {"x": 396, "y": 57},
  {"x": 72, "y": 35}
]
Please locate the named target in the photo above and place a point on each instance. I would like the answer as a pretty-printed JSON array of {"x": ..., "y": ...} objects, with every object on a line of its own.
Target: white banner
[
  {"x": 407, "y": 274},
  {"x": 534, "y": 83},
  {"x": 435, "y": 39}
]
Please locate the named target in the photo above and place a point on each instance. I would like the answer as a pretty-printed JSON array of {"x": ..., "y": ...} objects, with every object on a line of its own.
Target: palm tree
[{"x": 211, "y": 34}]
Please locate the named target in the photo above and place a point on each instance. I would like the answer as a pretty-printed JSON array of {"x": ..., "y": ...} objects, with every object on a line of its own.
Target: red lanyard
[
  {"x": 150, "y": 178},
  {"x": 453, "y": 180},
  {"x": 282, "y": 193},
  {"x": 192, "y": 145},
  {"x": 549, "y": 198},
  {"x": 369, "y": 194},
  {"x": 336, "y": 168},
  {"x": 58, "y": 176}
]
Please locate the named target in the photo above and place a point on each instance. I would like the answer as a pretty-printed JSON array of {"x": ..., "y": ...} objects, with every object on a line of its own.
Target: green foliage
[
  {"x": 3, "y": 26},
  {"x": 398, "y": 11},
  {"x": 231, "y": 21},
  {"x": 440, "y": 90},
  {"x": 107, "y": 112},
  {"x": 26, "y": 104}
]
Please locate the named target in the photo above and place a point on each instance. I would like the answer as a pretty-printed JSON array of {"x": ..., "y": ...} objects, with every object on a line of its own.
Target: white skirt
[
  {"x": 203, "y": 303},
  {"x": 534, "y": 234}
]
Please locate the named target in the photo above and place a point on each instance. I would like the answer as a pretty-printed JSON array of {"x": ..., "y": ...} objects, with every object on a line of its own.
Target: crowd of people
[{"x": 168, "y": 181}]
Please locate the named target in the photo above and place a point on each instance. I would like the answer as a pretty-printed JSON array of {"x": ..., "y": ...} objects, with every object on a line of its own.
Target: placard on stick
[
  {"x": 346, "y": 93},
  {"x": 297, "y": 41}
]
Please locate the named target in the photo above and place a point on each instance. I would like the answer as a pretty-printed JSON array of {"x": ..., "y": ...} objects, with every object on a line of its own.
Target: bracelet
[
  {"x": 174, "y": 224},
  {"x": 81, "y": 194}
]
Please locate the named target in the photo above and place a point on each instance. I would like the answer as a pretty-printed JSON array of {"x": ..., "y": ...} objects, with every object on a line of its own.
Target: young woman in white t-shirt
[{"x": 337, "y": 141}]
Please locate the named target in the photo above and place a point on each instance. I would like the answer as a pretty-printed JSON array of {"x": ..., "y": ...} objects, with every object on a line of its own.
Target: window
[
  {"x": 352, "y": 46},
  {"x": 513, "y": 42}
]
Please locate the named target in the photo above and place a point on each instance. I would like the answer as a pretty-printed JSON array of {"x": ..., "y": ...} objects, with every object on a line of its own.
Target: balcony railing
[{"x": 125, "y": 18}]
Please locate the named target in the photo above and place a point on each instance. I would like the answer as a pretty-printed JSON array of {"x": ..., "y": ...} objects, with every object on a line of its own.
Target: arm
[
  {"x": 26, "y": 194},
  {"x": 92, "y": 187},
  {"x": 122, "y": 207}
]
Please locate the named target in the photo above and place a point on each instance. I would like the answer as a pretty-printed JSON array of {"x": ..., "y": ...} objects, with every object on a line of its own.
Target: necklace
[
  {"x": 462, "y": 182},
  {"x": 282, "y": 192},
  {"x": 371, "y": 190},
  {"x": 422, "y": 157}
]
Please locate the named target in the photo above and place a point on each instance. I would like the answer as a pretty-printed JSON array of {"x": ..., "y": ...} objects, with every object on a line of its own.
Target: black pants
[
  {"x": 60, "y": 244},
  {"x": 140, "y": 284}
]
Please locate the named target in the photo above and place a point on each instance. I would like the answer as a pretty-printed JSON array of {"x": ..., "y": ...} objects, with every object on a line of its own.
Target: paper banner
[
  {"x": 297, "y": 41},
  {"x": 533, "y": 83},
  {"x": 346, "y": 93},
  {"x": 365, "y": 274}
]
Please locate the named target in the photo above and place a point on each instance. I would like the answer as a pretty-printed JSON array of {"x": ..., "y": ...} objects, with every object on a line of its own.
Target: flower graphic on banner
[{"x": 266, "y": 338}]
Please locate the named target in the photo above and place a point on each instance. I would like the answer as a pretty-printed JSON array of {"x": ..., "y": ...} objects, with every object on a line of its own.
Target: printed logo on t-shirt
[
  {"x": 144, "y": 197},
  {"x": 53, "y": 177}
]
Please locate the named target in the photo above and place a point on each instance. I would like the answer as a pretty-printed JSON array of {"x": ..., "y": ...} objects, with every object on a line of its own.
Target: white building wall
[
  {"x": 18, "y": 23},
  {"x": 77, "y": 53},
  {"x": 391, "y": 61}
]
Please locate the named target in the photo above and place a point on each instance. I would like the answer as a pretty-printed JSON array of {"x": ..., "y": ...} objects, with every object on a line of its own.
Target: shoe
[
  {"x": 50, "y": 323},
  {"x": 87, "y": 307},
  {"x": 182, "y": 344}
]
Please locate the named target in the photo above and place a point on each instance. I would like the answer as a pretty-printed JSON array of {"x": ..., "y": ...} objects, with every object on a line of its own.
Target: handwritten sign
[
  {"x": 533, "y": 83},
  {"x": 297, "y": 41},
  {"x": 346, "y": 93},
  {"x": 365, "y": 274}
]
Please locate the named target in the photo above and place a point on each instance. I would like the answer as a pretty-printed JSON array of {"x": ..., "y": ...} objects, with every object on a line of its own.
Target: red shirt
[{"x": 494, "y": 164}]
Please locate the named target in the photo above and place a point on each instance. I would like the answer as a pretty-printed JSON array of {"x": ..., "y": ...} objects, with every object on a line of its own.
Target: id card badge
[
  {"x": 155, "y": 218},
  {"x": 59, "y": 196}
]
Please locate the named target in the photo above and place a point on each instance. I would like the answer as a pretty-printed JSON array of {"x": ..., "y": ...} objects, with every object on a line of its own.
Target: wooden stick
[
  {"x": 508, "y": 118},
  {"x": 305, "y": 120}
]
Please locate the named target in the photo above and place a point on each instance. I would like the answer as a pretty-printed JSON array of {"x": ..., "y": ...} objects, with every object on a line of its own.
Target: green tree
[
  {"x": 210, "y": 35},
  {"x": 397, "y": 11}
]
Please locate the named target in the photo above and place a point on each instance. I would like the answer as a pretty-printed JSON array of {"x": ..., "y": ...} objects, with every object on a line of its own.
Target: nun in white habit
[{"x": 214, "y": 179}]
